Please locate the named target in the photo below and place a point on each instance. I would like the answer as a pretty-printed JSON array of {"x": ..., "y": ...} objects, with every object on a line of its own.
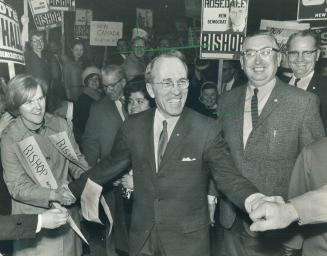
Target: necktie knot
[
  {"x": 255, "y": 91},
  {"x": 296, "y": 81}
]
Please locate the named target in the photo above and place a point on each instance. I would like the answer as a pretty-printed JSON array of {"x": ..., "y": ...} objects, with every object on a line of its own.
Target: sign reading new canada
[
  {"x": 47, "y": 19},
  {"x": 11, "y": 50},
  {"x": 312, "y": 10},
  {"x": 104, "y": 33},
  {"x": 223, "y": 28},
  {"x": 62, "y": 5}
]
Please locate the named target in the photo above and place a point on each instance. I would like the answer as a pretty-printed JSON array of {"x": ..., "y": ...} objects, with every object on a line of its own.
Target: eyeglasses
[
  {"x": 305, "y": 54},
  {"x": 263, "y": 53},
  {"x": 36, "y": 41},
  {"x": 113, "y": 85},
  {"x": 167, "y": 84}
]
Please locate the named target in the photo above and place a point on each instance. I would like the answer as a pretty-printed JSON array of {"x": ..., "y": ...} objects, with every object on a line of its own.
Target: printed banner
[
  {"x": 37, "y": 163},
  {"x": 312, "y": 10},
  {"x": 42, "y": 172},
  {"x": 144, "y": 18},
  {"x": 62, "y": 5},
  {"x": 11, "y": 50},
  {"x": 105, "y": 33},
  {"x": 223, "y": 28},
  {"x": 83, "y": 19},
  {"x": 39, "y": 6},
  {"x": 50, "y": 19}
]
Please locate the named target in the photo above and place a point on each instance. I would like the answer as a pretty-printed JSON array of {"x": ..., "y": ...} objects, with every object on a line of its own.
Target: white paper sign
[{"x": 104, "y": 33}]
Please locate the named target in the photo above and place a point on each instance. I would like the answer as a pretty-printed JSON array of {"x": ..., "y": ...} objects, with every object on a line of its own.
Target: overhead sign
[
  {"x": 39, "y": 6},
  {"x": 144, "y": 18},
  {"x": 11, "y": 50},
  {"x": 62, "y": 5},
  {"x": 104, "y": 33},
  {"x": 43, "y": 20},
  {"x": 322, "y": 32},
  {"x": 312, "y": 10},
  {"x": 83, "y": 19},
  {"x": 223, "y": 28}
]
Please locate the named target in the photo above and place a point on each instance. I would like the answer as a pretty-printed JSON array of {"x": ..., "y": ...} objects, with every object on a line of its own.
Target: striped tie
[
  {"x": 163, "y": 141},
  {"x": 254, "y": 108},
  {"x": 296, "y": 81}
]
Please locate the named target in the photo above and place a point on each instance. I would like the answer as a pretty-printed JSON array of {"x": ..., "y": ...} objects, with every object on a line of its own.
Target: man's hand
[
  {"x": 54, "y": 218},
  {"x": 256, "y": 200},
  {"x": 64, "y": 196},
  {"x": 272, "y": 215}
]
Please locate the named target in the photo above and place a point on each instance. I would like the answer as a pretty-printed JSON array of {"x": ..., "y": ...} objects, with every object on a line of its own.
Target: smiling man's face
[{"x": 170, "y": 101}]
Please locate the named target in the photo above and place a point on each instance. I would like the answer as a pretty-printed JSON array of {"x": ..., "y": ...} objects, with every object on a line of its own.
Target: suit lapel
[
  {"x": 240, "y": 114},
  {"x": 314, "y": 83},
  {"x": 148, "y": 139},
  {"x": 182, "y": 127},
  {"x": 273, "y": 101}
]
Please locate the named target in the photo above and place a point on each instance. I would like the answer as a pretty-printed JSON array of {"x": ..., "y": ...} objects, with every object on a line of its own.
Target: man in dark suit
[
  {"x": 231, "y": 77},
  {"x": 105, "y": 119},
  {"x": 171, "y": 149},
  {"x": 266, "y": 124},
  {"x": 24, "y": 226},
  {"x": 303, "y": 50}
]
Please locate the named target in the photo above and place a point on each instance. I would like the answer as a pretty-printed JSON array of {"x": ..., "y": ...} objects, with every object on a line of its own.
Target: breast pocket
[{"x": 282, "y": 143}]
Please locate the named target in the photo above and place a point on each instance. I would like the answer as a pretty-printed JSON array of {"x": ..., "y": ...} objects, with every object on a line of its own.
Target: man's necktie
[
  {"x": 254, "y": 108},
  {"x": 296, "y": 81},
  {"x": 163, "y": 141},
  {"x": 122, "y": 101}
]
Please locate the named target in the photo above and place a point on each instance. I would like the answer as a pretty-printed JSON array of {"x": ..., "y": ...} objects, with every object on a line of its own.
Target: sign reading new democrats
[
  {"x": 11, "y": 50},
  {"x": 312, "y": 10},
  {"x": 223, "y": 28}
]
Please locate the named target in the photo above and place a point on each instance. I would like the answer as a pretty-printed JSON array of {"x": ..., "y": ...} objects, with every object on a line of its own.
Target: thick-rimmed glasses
[
  {"x": 112, "y": 85},
  {"x": 167, "y": 84},
  {"x": 305, "y": 54},
  {"x": 263, "y": 53}
]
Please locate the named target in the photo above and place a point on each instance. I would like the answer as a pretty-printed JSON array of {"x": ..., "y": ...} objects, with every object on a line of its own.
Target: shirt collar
[
  {"x": 305, "y": 80},
  {"x": 263, "y": 89}
]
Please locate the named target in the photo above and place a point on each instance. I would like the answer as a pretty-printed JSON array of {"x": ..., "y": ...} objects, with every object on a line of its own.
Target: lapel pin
[
  {"x": 177, "y": 134},
  {"x": 314, "y": 87},
  {"x": 275, "y": 100}
]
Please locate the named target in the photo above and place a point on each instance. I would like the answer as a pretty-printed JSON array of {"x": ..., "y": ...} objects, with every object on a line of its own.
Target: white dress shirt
[
  {"x": 304, "y": 82},
  {"x": 157, "y": 128},
  {"x": 120, "y": 106},
  {"x": 263, "y": 96}
]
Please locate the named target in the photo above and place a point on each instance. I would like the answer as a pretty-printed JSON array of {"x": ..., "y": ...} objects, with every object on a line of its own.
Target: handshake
[
  {"x": 62, "y": 195},
  {"x": 268, "y": 213}
]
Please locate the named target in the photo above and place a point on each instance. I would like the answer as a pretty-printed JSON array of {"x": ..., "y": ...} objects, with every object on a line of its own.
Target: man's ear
[
  {"x": 150, "y": 90},
  {"x": 318, "y": 54}
]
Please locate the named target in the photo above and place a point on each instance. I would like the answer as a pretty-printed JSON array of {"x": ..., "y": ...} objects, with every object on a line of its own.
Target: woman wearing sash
[{"x": 35, "y": 151}]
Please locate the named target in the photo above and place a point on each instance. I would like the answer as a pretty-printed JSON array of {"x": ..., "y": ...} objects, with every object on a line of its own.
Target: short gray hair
[{"x": 151, "y": 65}]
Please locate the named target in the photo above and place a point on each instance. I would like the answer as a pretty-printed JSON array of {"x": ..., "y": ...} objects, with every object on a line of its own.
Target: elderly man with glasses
[
  {"x": 171, "y": 149},
  {"x": 303, "y": 53},
  {"x": 105, "y": 118},
  {"x": 266, "y": 124}
]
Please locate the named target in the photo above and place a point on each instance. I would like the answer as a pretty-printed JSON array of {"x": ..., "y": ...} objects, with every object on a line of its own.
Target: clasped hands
[
  {"x": 269, "y": 212},
  {"x": 62, "y": 195}
]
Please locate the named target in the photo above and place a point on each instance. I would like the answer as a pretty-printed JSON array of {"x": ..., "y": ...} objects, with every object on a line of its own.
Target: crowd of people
[{"x": 187, "y": 167}]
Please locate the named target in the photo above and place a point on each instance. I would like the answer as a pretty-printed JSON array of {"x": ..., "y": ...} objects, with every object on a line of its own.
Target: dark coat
[{"x": 174, "y": 199}]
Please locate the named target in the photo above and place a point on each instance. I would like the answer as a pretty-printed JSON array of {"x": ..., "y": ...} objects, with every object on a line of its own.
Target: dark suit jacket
[
  {"x": 318, "y": 85},
  {"x": 97, "y": 141},
  {"x": 19, "y": 226},
  {"x": 175, "y": 198},
  {"x": 309, "y": 175},
  {"x": 289, "y": 121}
]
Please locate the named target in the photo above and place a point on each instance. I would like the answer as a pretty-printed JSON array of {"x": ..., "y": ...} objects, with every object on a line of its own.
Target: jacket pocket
[{"x": 194, "y": 224}]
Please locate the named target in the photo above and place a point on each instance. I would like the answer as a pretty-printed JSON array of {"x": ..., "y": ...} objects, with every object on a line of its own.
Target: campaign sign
[
  {"x": 104, "y": 33},
  {"x": 322, "y": 32},
  {"x": 83, "y": 19},
  {"x": 62, "y": 5},
  {"x": 223, "y": 28},
  {"x": 11, "y": 50},
  {"x": 50, "y": 19},
  {"x": 312, "y": 10}
]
